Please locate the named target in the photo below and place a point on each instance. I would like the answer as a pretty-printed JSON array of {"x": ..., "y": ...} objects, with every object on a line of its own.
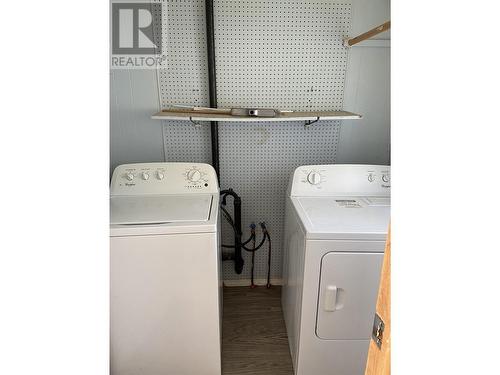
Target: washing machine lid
[
  {"x": 344, "y": 217},
  {"x": 160, "y": 209}
]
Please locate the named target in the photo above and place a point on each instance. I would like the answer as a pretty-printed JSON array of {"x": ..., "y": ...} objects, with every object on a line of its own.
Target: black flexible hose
[
  {"x": 236, "y": 224},
  {"x": 268, "y": 261},
  {"x": 236, "y": 234},
  {"x": 252, "y": 285},
  {"x": 243, "y": 243},
  {"x": 258, "y": 247},
  {"x": 250, "y": 239},
  {"x": 228, "y": 218},
  {"x": 238, "y": 244}
]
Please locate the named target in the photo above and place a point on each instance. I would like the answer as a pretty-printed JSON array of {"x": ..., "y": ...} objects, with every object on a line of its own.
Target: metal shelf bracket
[
  {"x": 196, "y": 124},
  {"x": 309, "y": 122}
]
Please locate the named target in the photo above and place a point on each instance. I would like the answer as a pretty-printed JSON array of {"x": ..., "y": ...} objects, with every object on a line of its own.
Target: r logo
[{"x": 132, "y": 29}]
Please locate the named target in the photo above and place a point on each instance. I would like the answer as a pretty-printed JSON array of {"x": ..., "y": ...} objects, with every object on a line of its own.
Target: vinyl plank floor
[{"x": 254, "y": 339}]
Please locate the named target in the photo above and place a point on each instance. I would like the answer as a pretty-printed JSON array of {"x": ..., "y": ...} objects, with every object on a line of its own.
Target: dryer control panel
[
  {"x": 164, "y": 178},
  {"x": 341, "y": 179}
]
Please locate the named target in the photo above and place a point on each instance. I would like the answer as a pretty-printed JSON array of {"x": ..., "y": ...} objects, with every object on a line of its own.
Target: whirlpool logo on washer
[{"x": 136, "y": 34}]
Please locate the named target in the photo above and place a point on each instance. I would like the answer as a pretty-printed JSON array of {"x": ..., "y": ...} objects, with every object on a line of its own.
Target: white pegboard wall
[
  {"x": 256, "y": 161},
  {"x": 284, "y": 54},
  {"x": 184, "y": 74},
  {"x": 183, "y": 77},
  {"x": 186, "y": 142},
  {"x": 257, "y": 165}
]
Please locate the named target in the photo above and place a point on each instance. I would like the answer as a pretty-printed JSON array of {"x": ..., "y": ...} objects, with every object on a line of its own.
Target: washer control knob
[
  {"x": 193, "y": 175},
  {"x": 314, "y": 178},
  {"x": 159, "y": 175},
  {"x": 129, "y": 176},
  {"x": 371, "y": 177},
  {"x": 386, "y": 178},
  {"x": 145, "y": 176}
]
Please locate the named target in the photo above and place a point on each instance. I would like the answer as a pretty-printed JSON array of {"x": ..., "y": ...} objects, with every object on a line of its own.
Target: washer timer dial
[{"x": 193, "y": 175}]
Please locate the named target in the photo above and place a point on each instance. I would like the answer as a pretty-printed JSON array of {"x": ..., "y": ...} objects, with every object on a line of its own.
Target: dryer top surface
[{"x": 344, "y": 217}]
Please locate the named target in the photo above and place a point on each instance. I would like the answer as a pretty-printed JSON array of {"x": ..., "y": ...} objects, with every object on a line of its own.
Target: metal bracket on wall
[
  {"x": 378, "y": 330},
  {"x": 309, "y": 123},
  {"x": 195, "y": 123}
]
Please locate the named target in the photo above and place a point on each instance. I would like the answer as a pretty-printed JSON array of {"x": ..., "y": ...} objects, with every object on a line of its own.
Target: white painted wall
[
  {"x": 367, "y": 91},
  {"x": 134, "y": 136}
]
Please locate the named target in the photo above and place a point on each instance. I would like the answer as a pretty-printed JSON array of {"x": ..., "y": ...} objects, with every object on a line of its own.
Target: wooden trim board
[
  {"x": 376, "y": 30},
  {"x": 379, "y": 360}
]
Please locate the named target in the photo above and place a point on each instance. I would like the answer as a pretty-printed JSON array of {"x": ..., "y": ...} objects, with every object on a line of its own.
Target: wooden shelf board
[
  {"x": 287, "y": 116},
  {"x": 384, "y": 43}
]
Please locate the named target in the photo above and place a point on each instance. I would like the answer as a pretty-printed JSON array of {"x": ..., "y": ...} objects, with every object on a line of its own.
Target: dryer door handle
[{"x": 330, "y": 298}]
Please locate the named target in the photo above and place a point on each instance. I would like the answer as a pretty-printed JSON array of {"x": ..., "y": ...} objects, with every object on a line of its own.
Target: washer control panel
[
  {"x": 196, "y": 177},
  {"x": 341, "y": 179},
  {"x": 163, "y": 178}
]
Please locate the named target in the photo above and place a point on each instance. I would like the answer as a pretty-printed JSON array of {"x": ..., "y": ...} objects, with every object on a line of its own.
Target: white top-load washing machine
[
  {"x": 336, "y": 223},
  {"x": 165, "y": 270}
]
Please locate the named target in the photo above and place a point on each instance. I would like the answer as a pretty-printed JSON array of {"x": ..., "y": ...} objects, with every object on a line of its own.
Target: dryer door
[{"x": 347, "y": 295}]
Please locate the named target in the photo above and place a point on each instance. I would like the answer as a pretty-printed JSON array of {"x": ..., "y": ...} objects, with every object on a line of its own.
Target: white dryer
[
  {"x": 165, "y": 270},
  {"x": 336, "y": 224}
]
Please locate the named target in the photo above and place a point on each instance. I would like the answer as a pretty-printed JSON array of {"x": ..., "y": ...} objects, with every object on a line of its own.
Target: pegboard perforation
[{"x": 283, "y": 54}]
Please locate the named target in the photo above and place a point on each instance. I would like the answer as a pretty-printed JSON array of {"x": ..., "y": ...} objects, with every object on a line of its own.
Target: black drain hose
[{"x": 238, "y": 258}]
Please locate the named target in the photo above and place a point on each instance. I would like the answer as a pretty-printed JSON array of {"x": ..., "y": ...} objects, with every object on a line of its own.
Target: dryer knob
[
  {"x": 159, "y": 175},
  {"x": 314, "y": 178},
  {"x": 386, "y": 178},
  {"x": 145, "y": 176},
  {"x": 129, "y": 176}
]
